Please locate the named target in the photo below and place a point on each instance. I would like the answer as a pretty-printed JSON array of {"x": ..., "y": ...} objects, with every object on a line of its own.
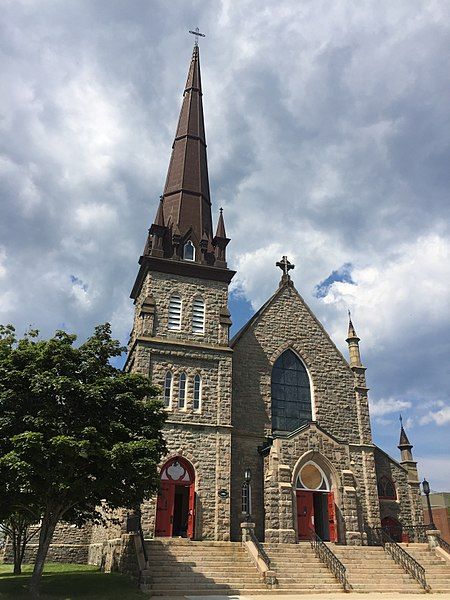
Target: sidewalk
[{"x": 319, "y": 596}]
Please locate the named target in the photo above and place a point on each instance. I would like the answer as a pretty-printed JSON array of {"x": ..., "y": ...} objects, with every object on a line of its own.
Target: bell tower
[{"x": 180, "y": 335}]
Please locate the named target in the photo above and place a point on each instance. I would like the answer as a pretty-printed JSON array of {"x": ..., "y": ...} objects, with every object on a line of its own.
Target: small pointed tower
[
  {"x": 407, "y": 461},
  {"x": 361, "y": 389},
  {"x": 405, "y": 447},
  {"x": 180, "y": 336}
]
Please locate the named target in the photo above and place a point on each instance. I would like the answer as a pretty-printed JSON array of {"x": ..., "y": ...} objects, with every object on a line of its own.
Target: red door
[
  {"x": 305, "y": 514},
  {"x": 332, "y": 518},
  {"x": 164, "y": 509},
  {"x": 191, "y": 515}
]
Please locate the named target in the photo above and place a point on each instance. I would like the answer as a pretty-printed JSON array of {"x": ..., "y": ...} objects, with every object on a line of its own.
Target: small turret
[
  {"x": 407, "y": 460},
  {"x": 353, "y": 344},
  {"x": 220, "y": 242},
  {"x": 404, "y": 445},
  {"x": 361, "y": 389}
]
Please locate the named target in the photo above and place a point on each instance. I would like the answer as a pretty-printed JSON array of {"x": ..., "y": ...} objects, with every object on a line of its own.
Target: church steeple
[{"x": 185, "y": 210}]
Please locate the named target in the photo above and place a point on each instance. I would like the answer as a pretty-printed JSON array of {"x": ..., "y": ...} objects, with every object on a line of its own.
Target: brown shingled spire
[
  {"x": 220, "y": 242},
  {"x": 186, "y": 192},
  {"x": 220, "y": 233}
]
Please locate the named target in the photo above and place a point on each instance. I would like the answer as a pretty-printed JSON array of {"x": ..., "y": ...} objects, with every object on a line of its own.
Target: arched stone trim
[
  {"x": 273, "y": 358},
  {"x": 324, "y": 464},
  {"x": 189, "y": 458}
]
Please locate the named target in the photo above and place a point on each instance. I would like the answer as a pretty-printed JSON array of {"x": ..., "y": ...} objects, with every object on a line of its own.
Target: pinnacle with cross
[{"x": 285, "y": 266}]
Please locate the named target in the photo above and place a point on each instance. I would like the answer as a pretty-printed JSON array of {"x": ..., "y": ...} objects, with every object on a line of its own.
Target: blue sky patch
[{"x": 344, "y": 274}]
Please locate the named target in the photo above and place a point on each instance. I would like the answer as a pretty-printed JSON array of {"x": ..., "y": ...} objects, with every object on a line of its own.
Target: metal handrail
[
  {"x": 329, "y": 558},
  {"x": 261, "y": 552},
  {"x": 402, "y": 558},
  {"x": 443, "y": 544}
]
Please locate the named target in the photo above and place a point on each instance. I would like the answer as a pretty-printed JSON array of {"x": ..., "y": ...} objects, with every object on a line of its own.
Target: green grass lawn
[{"x": 69, "y": 582}]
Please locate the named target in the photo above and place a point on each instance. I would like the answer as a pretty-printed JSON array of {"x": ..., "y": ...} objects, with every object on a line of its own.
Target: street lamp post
[
  {"x": 247, "y": 495},
  {"x": 426, "y": 491}
]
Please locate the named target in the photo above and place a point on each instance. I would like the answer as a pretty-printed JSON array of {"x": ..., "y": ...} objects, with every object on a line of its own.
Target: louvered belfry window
[
  {"x": 175, "y": 312},
  {"x": 198, "y": 316}
]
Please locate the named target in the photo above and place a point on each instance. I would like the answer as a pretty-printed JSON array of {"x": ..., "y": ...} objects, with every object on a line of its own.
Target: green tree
[{"x": 75, "y": 432}]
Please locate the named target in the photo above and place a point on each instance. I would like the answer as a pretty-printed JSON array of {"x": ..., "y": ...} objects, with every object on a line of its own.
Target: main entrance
[
  {"x": 315, "y": 504},
  {"x": 175, "y": 505}
]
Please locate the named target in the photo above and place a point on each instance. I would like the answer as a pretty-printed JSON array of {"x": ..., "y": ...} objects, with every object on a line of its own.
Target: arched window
[
  {"x": 386, "y": 489},
  {"x": 291, "y": 395},
  {"x": 182, "y": 391},
  {"x": 198, "y": 316},
  {"x": 189, "y": 251},
  {"x": 175, "y": 305},
  {"x": 168, "y": 389},
  {"x": 197, "y": 393}
]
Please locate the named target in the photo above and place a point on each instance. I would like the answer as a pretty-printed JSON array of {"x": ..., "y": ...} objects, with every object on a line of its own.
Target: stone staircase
[
  {"x": 299, "y": 571},
  {"x": 437, "y": 569},
  {"x": 178, "y": 567},
  {"x": 370, "y": 569}
]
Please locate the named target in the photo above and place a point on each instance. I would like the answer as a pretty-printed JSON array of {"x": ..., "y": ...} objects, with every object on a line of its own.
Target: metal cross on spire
[
  {"x": 197, "y": 34},
  {"x": 285, "y": 266}
]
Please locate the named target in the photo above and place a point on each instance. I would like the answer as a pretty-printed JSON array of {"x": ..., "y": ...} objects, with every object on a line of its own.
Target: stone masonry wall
[
  {"x": 407, "y": 507},
  {"x": 201, "y": 435},
  {"x": 285, "y": 322}
]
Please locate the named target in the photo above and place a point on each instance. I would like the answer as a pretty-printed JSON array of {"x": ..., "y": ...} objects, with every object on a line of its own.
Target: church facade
[{"x": 278, "y": 403}]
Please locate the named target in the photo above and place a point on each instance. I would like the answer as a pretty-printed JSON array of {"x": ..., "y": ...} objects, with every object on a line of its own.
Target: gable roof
[{"x": 287, "y": 284}]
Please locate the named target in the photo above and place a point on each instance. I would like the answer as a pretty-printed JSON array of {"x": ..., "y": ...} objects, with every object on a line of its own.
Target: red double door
[
  {"x": 323, "y": 522},
  {"x": 175, "y": 506}
]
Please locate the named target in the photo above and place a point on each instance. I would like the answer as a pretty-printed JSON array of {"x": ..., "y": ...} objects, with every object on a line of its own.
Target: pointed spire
[
  {"x": 186, "y": 192},
  {"x": 405, "y": 447},
  {"x": 220, "y": 233},
  {"x": 351, "y": 329},
  {"x": 404, "y": 442},
  {"x": 353, "y": 344}
]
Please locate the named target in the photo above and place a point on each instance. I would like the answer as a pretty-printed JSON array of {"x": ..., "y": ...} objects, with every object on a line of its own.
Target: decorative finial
[
  {"x": 197, "y": 34},
  {"x": 285, "y": 266},
  {"x": 221, "y": 210},
  {"x": 400, "y": 419},
  {"x": 349, "y": 315}
]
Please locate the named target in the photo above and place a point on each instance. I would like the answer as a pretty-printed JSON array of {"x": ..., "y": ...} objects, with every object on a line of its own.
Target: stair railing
[
  {"x": 401, "y": 557},
  {"x": 258, "y": 554},
  {"x": 329, "y": 558},
  {"x": 261, "y": 552},
  {"x": 443, "y": 544}
]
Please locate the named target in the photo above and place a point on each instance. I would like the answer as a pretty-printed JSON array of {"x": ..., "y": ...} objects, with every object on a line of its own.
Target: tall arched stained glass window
[{"x": 291, "y": 394}]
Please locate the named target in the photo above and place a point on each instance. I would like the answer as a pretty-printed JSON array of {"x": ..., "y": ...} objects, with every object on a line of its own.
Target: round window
[{"x": 311, "y": 477}]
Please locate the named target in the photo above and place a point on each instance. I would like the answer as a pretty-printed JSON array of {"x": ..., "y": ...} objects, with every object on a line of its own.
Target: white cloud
[
  {"x": 435, "y": 469},
  {"x": 440, "y": 417},
  {"x": 327, "y": 141},
  {"x": 386, "y": 406}
]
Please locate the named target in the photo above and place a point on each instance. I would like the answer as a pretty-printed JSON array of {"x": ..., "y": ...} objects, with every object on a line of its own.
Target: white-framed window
[
  {"x": 198, "y": 316},
  {"x": 182, "y": 392},
  {"x": 175, "y": 306},
  {"x": 189, "y": 251},
  {"x": 197, "y": 400},
  {"x": 168, "y": 381}
]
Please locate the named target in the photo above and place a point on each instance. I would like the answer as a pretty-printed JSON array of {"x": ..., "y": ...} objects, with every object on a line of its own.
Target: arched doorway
[
  {"x": 175, "y": 506},
  {"x": 315, "y": 504},
  {"x": 393, "y": 529}
]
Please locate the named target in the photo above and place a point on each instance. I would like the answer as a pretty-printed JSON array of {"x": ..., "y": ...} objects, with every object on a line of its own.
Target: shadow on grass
[{"x": 71, "y": 582}]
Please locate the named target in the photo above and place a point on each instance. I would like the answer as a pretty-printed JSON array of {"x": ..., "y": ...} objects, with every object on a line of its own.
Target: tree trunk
[
  {"x": 49, "y": 522},
  {"x": 15, "y": 541}
]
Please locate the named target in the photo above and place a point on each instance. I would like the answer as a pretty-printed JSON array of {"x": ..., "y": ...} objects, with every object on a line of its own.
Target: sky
[{"x": 328, "y": 130}]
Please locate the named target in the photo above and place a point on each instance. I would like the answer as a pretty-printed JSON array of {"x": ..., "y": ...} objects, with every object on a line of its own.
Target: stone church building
[{"x": 278, "y": 402}]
